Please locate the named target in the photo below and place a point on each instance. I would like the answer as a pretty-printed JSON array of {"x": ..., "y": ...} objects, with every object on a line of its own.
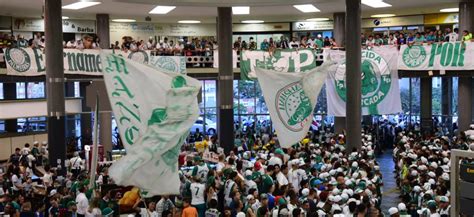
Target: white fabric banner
[
  {"x": 437, "y": 56},
  {"x": 31, "y": 62},
  {"x": 235, "y": 59},
  {"x": 380, "y": 90},
  {"x": 154, "y": 110},
  {"x": 291, "y": 99}
]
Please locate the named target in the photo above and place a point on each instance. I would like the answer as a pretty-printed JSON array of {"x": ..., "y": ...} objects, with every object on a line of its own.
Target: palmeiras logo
[
  {"x": 414, "y": 56},
  {"x": 18, "y": 59},
  {"x": 139, "y": 56},
  {"x": 293, "y": 106},
  {"x": 166, "y": 63},
  {"x": 376, "y": 80}
]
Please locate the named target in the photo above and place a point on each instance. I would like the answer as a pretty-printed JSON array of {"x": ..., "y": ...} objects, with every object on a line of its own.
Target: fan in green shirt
[{"x": 267, "y": 181}]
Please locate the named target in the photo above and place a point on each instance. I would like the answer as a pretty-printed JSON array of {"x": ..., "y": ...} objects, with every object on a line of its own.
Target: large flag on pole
[
  {"x": 291, "y": 99},
  {"x": 95, "y": 147},
  {"x": 154, "y": 111}
]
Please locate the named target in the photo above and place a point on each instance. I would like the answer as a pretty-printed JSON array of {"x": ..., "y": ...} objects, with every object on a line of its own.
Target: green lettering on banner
[
  {"x": 117, "y": 64},
  {"x": 80, "y": 61},
  {"x": 71, "y": 60},
  {"x": 90, "y": 62},
  {"x": 98, "y": 62},
  {"x": 122, "y": 88},
  {"x": 446, "y": 54},
  {"x": 435, "y": 50},
  {"x": 456, "y": 54},
  {"x": 462, "y": 50},
  {"x": 39, "y": 59},
  {"x": 135, "y": 115}
]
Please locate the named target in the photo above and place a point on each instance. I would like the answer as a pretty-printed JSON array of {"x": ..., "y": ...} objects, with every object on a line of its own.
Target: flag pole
[{"x": 95, "y": 146}]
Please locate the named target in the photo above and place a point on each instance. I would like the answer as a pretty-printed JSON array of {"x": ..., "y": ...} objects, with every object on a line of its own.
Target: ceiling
[{"x": 206, "y": 12}]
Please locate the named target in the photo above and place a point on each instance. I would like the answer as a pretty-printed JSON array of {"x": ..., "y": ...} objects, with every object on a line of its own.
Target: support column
[
  {"x": 9, "y": 93},
  {"x": 426, "y": 84},
  {"x": 353, "y": 74},
  {"x": 447, "y": 102},
  {"x": 105, "y": 118},
  {"x": 55, "y": 84},
  {"x": 70, "y": 121},
  {"x": 339, "y": 34},
  {"x": 466, "y": 22},
  {"x": 339, "y": 28},
  {"x": 225, "y": 96}
]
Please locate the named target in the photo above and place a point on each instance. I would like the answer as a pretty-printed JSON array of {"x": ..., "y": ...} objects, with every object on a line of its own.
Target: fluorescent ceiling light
[
  {"x": 449, "y": 10},
  {"x": 252, "y": 21},
  {"x": 376, "y": 3},
  {"x": 124, "y": 20},
  {"x": 80, "y": 5},
  {"x": 189, "y": 21},
  {"x": 162, "y": 9},
  {"x": 238, "y": 10},
  {"x": 307, "y": 8},
  {"x": 65, "y": 18},
  {"x": 318, "y": 19},
  {"x": 382, "y": 15}
]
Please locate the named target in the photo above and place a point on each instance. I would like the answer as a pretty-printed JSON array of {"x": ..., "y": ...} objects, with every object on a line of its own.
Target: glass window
[
  {"x": 246, "y": 95},
  {"x": 35, "y": 90},
  {"x": 405, "y": 94},
  {"x": 436, "y": 96},
  {"x": 415, "y": 96},
  {"x": 210, "y": 93},
  {"x": 455, "y": 97},
  {"x": 34, "y": 124},
  {"x": 77, "y": 89},
  {"x": 20, "y": 90},
  {"x": 1, "y": 90},
  {"x": 260, "y": 100}
]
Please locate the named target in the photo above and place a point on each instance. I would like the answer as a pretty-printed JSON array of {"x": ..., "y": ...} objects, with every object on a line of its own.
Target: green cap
[
  {"x": 281, "y": 201},
  {"x": 279, "y": 151},
  {"x": 70, "y": 203},
  {"x": 107, "y": 211}
]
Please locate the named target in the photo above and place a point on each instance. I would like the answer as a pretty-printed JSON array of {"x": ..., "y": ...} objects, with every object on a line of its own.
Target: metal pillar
[
  {"x": 225, "y": 96},
  {"x": 9, "y": 93},
  {"x": 353, "y": 74},
  {"x": 339, "y": 28},
  {"x": 55, "y": 84},
  {"x": 426, "y": 84},
  {"x": 447, "y": 102},
  {"x": 339, "y": 124},
  {"x": 466, "y": 22},
  {"x": 105, "y": 118}
]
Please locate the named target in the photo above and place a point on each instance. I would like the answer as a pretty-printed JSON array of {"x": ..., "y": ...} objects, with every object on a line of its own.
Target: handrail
[{"x": 456, "y": 154}]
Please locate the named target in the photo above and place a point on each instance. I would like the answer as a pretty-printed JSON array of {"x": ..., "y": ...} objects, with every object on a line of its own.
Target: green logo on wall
[
  {"x": 293, "y": 106},
  {"x": 376, "y": 80},
  {"x": 18, "y": 59},
  {"x": 414, "y": 56},
  {"x": 139, "y": 56},
  {"x": 166, "y": 63}
]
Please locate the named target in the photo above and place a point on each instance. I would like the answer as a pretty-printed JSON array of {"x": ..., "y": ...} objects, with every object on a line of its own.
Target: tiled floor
[{"x": 391, "y": 193}]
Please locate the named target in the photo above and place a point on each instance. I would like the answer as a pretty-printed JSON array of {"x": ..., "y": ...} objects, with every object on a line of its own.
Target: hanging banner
[
  {"x": 154, "y": 110},
  {"x": 31, "y": 62},
  {"x": 279, "y": 60},
  {"x": 445, "y": 56},
  {"x": 380, "y": 90},
  {"x": 69, "y": 26},
  {"x": 235, "y": 59},
  {"x": 291, "y": 99}
]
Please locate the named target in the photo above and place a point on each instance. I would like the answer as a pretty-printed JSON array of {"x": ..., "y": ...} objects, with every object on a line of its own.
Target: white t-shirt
[
  {"x": 453, "y": 37},
  {"x": 147, "y": 213},
  {"x": 296, "y": 176},
  {"x": 144, "y": 212},
  {"x": 249, "y": 184},
  {"x": 47, "y": 179},
  {"x": 95, "y": 212},
  {"x": 25, "y": 151},
  {"x": 16, "y": 181},
  {"x": 75, "y": 162},
  {"x": 82, "y": 204},
  {"x": 281, "y": 178},
  {"x": 197, "y": 193},
  {"x": 220, "y": 166}
]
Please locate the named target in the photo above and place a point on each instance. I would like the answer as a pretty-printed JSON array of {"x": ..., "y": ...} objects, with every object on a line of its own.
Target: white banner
[
  {"x": 31, "y": 62},
  {"x": 437, "y": 56},
  {"x": 154, "y": 110},
  {"x": 380, "y": 90},
  {"x": 235, "y": 59},
  {"x": 291, "y": 99}
]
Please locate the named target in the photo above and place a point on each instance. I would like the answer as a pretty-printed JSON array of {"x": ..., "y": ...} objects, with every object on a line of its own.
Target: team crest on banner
[
  {"x": 293, "y": 106},
  {"x": 380, "y": 91}
]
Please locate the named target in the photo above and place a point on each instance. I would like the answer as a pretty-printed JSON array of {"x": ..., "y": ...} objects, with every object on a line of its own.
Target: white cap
[
  {"x": 355, "y": 164},
  {"x": 53, "y": 192},
  {"x": 249, "y": 197},
  {"x": 392, "y": 211},
  {"x": 434, "y": 165},
  {"x": 417, "y": 188},
  {"x": 402, "y": 206},
  {"x": 337, "y": 198},
  {"x": 305, "y": 192},
  {"x": 35, "y": 143},
  {"x": 44, "y": 143},
  {"x": 432, "y": 174},
  {"x": 445, "y": 177}
]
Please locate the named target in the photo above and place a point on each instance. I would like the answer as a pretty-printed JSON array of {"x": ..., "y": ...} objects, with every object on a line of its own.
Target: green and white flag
[
  {"x": 380, "y": 90},
  {"x": 291, "y": 98},
  {"x": 437, "y": 56},
  {"x": 154, "y": 110}
]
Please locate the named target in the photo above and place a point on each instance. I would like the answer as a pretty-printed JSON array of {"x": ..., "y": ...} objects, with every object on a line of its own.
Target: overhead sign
[
  {"x": 142, "y": 31},
  {"x": 392, "y": 21},
  {"x": 310, "y": 26},
  {"x": 433, "y": 19},
  {"x": 260, "y": 27},
  {"x": 69, "y": 26},
  {"x": 446, "y": 56},
  {"x": 31, "y": 62}
]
